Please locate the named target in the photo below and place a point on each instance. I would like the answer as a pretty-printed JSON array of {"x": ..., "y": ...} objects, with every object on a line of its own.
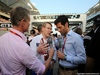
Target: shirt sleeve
[
  {"x": 29, "y": 59},
  {"x": 80, "y": 54}
]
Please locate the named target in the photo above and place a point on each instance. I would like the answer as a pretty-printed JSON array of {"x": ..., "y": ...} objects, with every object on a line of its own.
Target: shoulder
[
  {"x": 37, "y": 37},
  {"x": 75, "y": 35}
]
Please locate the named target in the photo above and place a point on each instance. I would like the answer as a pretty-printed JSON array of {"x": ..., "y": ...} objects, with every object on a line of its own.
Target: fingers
[
  {"x": 58, "y": 53},
  {"x": 45, "y": 44},
  {"x": 42, "y": 47}
]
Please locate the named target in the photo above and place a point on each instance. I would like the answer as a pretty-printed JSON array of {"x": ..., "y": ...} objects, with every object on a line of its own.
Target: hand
[
  {"x": 60, "y": 55},
  {"x": 42, "y": 48}
]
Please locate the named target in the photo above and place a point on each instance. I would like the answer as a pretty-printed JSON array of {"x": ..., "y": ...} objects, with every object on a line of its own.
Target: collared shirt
[
  {"x": 16, "y": 55},
  {"x": 74, "y": 49},
  {"x": 35, "y": 43}
]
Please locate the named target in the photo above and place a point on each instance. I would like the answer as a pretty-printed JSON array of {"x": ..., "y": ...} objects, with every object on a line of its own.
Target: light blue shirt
[{"x": 74, "y": 51}]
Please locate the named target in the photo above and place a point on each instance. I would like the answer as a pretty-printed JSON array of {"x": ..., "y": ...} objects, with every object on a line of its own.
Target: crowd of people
[{"x": 38, "y": 55}]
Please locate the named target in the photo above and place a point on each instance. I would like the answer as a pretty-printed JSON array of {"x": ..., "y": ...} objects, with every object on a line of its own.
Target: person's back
[
  {"x": 11, "y": 53},
  {"x": 97, "y": 54},
  {"x": 93, "y": 50},
  {"x": 87, "y": 39}
]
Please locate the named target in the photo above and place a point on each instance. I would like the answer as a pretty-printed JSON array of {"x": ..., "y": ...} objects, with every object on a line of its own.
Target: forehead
[
  {"x": 59, "y": 24},
  {"x": 48, "y": 25}
]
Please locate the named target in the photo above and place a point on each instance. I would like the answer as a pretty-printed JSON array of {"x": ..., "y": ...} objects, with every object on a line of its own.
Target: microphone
[
  {"x": 59, "y": 43},
  {"x": 49, "y": 41}
]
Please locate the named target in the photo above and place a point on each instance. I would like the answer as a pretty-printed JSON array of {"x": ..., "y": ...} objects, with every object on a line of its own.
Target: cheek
[
  {"x": 63, "y": 30},
  {"x": 28, "y": 25}
]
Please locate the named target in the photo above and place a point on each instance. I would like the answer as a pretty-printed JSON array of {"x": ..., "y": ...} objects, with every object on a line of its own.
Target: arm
[
  {"x": 89, "y": 65},
  {"x": 79, "y": 56},
  {"x": 48, "y": 62},
  {"x": 53, "y": 59},
  {"x": 28, "y": 58}
]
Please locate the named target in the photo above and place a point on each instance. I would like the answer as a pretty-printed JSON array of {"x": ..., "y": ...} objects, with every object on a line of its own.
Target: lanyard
[
  {"x": 15, "y": 33},
  {"x": 42, "y": 40},
  {"x": 64, "y": 44},
  {"x": 46, "y": 53}
]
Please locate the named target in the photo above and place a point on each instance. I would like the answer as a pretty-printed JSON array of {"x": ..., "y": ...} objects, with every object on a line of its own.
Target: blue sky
[{"x": 63, "y": 6}]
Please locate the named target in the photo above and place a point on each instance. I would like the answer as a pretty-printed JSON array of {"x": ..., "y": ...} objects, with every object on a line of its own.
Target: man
[
  {"x": 79, "y": 31},
  {"x": 88, "y": 37},
  {"x": 32, "y": 34},
  {"x": 93, "y": 50},
  {"x": 15, "y": 54},
  {"x": 81, "y": 67},
  {"x": 46, "y": 30},
  {"x": 72, "y": 52}
]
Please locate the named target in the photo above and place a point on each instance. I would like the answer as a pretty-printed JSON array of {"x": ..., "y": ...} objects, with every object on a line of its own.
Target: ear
[
  {"x": 66, "y": 24},
  {"x": 22, "y": 22},
  {"x": 42, "y": 28}
]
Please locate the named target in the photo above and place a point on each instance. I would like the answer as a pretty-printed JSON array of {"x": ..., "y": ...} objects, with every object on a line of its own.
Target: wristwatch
[{"x": 65, "y": 57}]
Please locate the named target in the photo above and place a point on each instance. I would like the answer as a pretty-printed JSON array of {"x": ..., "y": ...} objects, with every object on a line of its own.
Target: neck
[
  {"x": 44, "y": 36},
  {"x": 67, "y": 30},
  {"x": 64, "y": 36},
  {"x": 18, "y": 28}
]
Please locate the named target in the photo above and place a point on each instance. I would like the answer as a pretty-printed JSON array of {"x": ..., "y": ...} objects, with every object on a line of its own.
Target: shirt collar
[
  {"x": 69, "y": 33},
  {"x": 19, "y": 33},
  {"x": 41, "y": 35}
]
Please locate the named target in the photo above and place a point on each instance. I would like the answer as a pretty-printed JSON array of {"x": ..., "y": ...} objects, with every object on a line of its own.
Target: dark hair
[
  {"x": 63, "y": 19},
  {"x": 78, "y": 31},
  {"x": 32, "y": 31},
  {"x": 39, "y": 28},
  {"x": 17, "y": 14}
]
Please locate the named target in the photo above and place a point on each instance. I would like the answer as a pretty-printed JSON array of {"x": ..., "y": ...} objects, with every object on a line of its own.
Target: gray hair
[{"x": 17, "y": 14}]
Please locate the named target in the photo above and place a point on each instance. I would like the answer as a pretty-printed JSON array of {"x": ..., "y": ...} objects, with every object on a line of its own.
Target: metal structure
[
  {"x": 24, "y": 3},
  {"x": 75, "y": 20},
  {"x": 7, "y": 5},
  {"x": 91, "y": 14},
  {"x": 85, "y": 21}
]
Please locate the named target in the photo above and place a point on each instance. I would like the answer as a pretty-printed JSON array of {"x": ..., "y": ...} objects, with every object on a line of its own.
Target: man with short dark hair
[{"x": 72, "y": 51}]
